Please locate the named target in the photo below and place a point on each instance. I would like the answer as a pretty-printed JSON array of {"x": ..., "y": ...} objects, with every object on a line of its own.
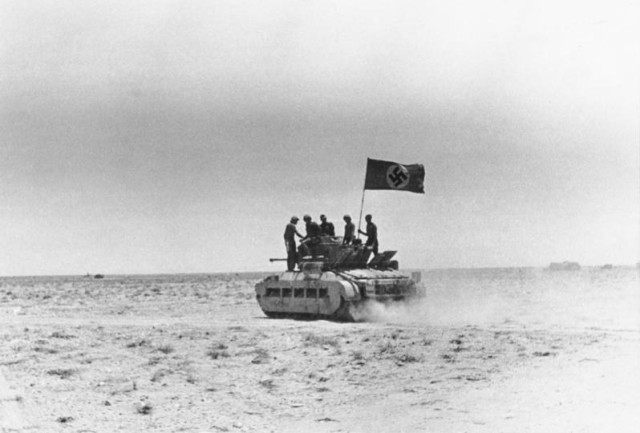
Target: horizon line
[{"x": 410, "y": 269}]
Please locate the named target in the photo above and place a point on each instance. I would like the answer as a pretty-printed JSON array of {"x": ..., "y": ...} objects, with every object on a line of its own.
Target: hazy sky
[{"x": 171, "y": 136}]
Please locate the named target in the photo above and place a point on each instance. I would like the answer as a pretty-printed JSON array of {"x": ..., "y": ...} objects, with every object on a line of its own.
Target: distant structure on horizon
[{"x": 564, "y": 266}]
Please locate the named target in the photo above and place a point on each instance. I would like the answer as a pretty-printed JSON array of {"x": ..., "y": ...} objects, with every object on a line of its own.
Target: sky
[{"x": 162, "y": 136}]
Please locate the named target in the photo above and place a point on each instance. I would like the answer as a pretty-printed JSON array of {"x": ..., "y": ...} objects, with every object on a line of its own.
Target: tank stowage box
[{"x": 334, "y": 279}]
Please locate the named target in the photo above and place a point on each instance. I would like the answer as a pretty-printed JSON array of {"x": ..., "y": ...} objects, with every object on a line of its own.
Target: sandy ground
[{"x": 198, "y": 355}]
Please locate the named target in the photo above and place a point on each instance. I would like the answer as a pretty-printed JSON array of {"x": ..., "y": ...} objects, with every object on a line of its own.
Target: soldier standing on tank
[
  {"x": 290, "y": 233},
  {"x": 371, "y": 234},
  {"x": 326, "y": 227},
  {"x": 349, "y": 230}
]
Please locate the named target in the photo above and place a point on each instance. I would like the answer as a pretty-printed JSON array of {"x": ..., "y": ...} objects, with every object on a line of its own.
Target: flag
[{"x": 391, "y": 175}]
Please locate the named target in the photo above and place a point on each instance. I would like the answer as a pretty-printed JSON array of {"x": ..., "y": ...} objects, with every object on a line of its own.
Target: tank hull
[{"x": 330, "y": 295}]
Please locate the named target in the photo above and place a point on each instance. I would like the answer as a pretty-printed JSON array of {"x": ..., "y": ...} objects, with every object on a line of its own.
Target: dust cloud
[
  {"x": 517, "y": 298},
  {"x": 436, "y": 311}
]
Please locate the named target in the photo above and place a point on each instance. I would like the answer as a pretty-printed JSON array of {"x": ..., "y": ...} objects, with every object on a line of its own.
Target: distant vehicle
[
  {"x": 98, "y": 276},
  {"x": 332, "y": 281},
  {"x": 564, "y": 266}
]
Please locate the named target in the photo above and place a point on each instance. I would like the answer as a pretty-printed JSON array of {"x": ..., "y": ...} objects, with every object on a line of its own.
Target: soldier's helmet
[
  {"x": 323, "y": 217},
  {"x": 346, "y": 218},
  {"x": 306, "y": 218}
]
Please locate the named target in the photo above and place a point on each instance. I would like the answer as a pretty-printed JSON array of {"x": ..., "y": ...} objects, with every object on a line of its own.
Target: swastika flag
[{"x": 391, "y": 175}]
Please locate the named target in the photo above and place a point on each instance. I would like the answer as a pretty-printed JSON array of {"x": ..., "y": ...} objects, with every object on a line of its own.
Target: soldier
[
  {"x": 349, "y": 230},
  {"x": 313, "y": 229},
  {"x": 371, "y": 234},
  {"x": 308, "y": 243},
  {"x": 326, "y": 227},
  {"x": 290, "y": 233}
]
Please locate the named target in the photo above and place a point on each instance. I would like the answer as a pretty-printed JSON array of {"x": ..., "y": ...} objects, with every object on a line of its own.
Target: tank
[{"x": 333, "y": 281}]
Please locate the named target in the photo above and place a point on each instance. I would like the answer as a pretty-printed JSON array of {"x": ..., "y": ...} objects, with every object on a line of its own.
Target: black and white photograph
[{"x": 319, "y": 216}]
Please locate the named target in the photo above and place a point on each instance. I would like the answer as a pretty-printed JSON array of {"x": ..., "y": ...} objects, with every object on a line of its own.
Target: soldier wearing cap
[
  {"x": 349, "y": 230},
  {"x": 326, "y": 227},
  {"x": 290, "y": 233}
]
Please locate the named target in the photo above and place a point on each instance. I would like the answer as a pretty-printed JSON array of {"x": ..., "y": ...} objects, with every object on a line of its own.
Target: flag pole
[
  {"x": 364, "y": 188},
  {"x": 360, "y": 217}
]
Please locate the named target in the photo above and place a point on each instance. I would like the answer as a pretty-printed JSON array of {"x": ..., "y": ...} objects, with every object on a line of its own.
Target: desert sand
[{"x": 194, "y": 353}]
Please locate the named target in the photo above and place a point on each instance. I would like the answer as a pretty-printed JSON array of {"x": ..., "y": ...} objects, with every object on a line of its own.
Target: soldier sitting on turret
[
  {"x": 311, "y": 239},
  {"x": 326, "y": 227},
  {"x": 313, "y": 229}
]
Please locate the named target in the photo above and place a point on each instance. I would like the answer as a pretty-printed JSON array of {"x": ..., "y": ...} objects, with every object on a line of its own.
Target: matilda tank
[{"x": 334, "y": 281}]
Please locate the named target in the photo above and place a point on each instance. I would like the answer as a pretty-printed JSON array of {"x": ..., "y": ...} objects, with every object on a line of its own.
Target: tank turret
[{"x": 332, "y": 280}]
